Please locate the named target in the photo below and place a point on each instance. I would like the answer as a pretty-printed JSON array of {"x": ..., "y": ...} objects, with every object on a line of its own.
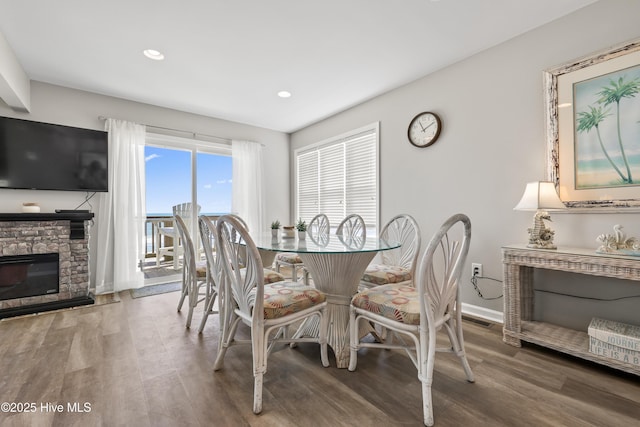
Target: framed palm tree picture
[{"x": 593, "y": 130}]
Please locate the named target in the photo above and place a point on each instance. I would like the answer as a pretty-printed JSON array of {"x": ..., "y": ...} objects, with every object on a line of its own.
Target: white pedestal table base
[{"x": 338, "y": 276}]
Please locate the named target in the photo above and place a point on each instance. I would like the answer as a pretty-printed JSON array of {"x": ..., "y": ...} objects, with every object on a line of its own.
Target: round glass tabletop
[{"x": 327, "y": 244}]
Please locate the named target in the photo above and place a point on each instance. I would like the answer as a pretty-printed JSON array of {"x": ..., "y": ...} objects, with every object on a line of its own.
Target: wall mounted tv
[{"x": 43, "y": 156}]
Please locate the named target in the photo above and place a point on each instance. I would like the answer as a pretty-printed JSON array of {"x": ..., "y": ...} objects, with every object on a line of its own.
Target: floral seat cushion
[
  {"x": 396, "y": 302},
  {"x": 270, "y": 276},
  {"x": 380, "y": 274},
  {"x": 288, "y": 257},
  {"x": 284, "y": 298}
]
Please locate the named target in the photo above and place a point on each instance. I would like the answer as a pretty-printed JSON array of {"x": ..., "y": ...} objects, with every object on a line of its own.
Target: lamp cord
[
  {"x": 587, "y": 298},
  {"x": 474, "y": 282}
]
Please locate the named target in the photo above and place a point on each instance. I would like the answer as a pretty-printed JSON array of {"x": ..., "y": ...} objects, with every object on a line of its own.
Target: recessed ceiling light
[
  {"x": 153, "y": 54},
  {"x": 284, "y": 94}
]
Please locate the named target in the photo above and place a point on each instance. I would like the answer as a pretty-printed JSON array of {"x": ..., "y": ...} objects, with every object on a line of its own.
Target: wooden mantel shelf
[
  {"x": 46, "y": 216},
  {"x": 76, "y": 219}
]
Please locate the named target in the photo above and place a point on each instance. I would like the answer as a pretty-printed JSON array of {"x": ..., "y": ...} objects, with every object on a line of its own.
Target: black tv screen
[{"x": 43, "y": 156}]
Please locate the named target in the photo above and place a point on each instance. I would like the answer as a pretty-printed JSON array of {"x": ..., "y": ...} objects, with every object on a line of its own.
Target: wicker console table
[{"x": 519, "y": 262}]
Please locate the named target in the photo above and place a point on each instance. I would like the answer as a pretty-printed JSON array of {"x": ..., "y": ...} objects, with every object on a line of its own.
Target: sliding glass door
[
  {"x": 168, "y": 179},
  {"x": 213, "y": 183},
  {"x": 180, "y": 171}
]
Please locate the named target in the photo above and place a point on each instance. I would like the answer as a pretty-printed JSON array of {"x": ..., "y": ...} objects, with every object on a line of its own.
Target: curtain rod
[{"x": 194, "y": 134}]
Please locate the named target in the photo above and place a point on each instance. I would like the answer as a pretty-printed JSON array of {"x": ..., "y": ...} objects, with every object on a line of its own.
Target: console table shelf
[{"x": 519, "y": 325}]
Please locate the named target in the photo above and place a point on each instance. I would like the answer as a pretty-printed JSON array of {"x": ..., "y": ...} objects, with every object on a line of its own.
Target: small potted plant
[
  {"x": 301, "y": 226},
  {"x": 275, "y": 226}
]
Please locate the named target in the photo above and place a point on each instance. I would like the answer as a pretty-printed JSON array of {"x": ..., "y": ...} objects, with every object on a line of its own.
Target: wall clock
[{"x": 424, "y": 129}]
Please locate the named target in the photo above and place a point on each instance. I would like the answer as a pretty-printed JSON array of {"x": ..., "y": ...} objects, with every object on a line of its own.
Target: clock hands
[{"x": 425, "y": 128}]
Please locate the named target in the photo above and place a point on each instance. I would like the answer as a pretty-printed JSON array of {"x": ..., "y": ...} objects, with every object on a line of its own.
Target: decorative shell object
[{"x": 618, "y": 243}]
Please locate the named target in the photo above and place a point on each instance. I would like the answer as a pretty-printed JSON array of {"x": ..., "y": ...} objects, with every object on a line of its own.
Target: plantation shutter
[
  {"x": 339, "y": 177},
  {"x": 360, "y": 181},
  {"x": 308, "y": 202},
  {"x": 331, "y": 186}
]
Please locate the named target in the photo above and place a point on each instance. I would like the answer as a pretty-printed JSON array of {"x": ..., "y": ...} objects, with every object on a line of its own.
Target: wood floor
[{"x": 135, "y": 364}]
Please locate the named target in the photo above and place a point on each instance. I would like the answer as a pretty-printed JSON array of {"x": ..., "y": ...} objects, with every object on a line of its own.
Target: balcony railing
[{"x": 154, "y": 240}]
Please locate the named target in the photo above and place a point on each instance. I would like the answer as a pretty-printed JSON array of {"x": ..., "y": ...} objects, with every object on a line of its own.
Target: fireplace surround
[{"x": 64, "y": 235}]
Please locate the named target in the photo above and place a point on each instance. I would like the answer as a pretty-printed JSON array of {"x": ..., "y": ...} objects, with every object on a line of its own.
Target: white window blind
[
  {"x": 339, "y": 177},
  {"x": 308, "y": 192}
]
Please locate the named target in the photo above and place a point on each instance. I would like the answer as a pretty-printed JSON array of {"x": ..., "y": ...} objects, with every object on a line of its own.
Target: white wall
[
  {"x": 493, "y": 140},
  {"x": 55, "y": 104}
]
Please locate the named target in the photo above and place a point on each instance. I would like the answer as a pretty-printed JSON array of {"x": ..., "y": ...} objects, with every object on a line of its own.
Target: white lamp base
[{"x": 541, "y": 236}]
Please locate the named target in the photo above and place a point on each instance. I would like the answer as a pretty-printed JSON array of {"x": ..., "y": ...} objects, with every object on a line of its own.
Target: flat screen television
[{"x": 44, "y": 156}]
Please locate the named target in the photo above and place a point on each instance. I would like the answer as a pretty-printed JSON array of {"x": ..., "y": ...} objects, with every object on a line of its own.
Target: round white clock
[{"x": 424, "y": 129}]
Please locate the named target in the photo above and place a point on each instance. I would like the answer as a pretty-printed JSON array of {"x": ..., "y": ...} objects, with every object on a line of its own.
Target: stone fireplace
[{"x": 65, "y": 235}]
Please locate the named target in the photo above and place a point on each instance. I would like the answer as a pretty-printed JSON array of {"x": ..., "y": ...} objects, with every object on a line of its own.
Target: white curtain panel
[
  {"x": 248, "y": 184},
  {"x": 121, "y": 215}
]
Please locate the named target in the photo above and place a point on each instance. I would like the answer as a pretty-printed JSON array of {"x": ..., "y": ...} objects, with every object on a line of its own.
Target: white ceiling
[{"x": 229, "y": 58}]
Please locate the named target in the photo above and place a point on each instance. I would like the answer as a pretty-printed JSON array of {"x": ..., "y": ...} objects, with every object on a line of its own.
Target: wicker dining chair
[
  {"x": 352, "y": 227},
  {"x": 185, "y": 211},
  {"x": 264, "y": 308},
  {"x": 318, "y": 231},
  {"x": 214, "y": 267},
  {"x": 208, "y": 235},
  {"x": 291, "y": 260},
  {"x": 418, "y": 313},
  {"x": 397, "y": 265},
  {"x": 194, "y": 273},
  {"x": 270, "y": 276}
]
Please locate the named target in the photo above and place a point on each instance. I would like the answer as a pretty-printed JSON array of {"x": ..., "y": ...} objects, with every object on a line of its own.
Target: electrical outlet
[{"x": 476, "y": 269}]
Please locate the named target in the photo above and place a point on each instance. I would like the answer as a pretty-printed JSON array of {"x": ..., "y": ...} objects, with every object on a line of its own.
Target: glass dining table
[{"x": 336, "y": 266}]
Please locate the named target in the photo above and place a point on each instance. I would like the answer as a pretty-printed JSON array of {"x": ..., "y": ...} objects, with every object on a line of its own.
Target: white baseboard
[{"x": 483, "y": 313}]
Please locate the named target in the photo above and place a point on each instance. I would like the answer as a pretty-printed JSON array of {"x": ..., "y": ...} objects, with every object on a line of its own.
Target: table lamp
[{"x": 540, "y": 196}]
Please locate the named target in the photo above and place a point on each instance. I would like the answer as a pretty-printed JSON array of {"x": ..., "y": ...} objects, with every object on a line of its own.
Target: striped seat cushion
[
  {"x": 380, "y": 274},
  {"x": 283, "y": 298},
  {"x": 396, "y": 302}
]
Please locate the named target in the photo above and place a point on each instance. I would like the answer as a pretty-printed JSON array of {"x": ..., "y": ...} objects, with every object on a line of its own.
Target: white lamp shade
[{"x": 540, "y": 195}]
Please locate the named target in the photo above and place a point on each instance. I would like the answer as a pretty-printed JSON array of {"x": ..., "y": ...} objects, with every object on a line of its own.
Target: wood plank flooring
[{"x": 134, "y": 363}]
